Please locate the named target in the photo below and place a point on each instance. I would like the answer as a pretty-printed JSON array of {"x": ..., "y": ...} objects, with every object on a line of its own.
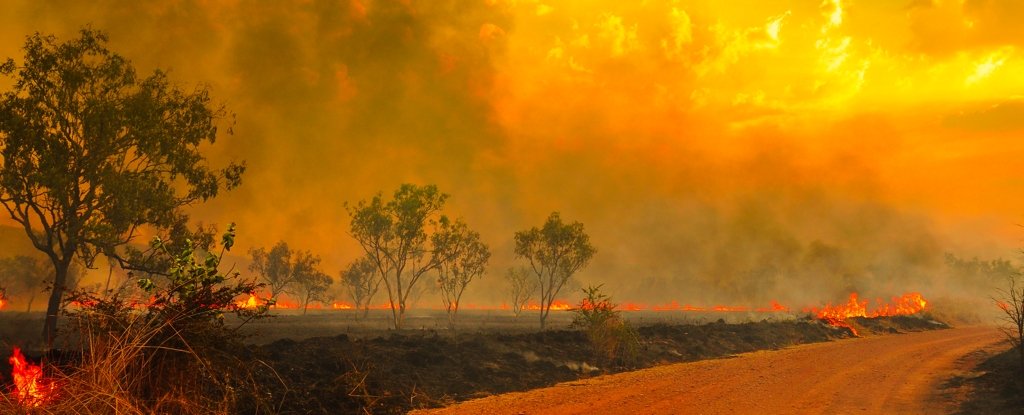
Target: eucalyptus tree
[
  {"x": 361, "y": 281},
  {"x": 555, "y": 251},
  {"x": 522, "y": 286},
  {"x": 393, "y": 235},
  {"x": 92, "y": 152},
  {"x": 461, "y": 257}
]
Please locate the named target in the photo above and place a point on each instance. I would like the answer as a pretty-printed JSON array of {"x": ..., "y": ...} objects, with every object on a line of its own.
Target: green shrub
[
  {"x": 613, "y": 339},
  {"x": 174, "y": 351}
]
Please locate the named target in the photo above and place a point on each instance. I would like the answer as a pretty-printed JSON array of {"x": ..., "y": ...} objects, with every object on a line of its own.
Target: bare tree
[
  {"x": 555, "y": 252},
  {"x": 90, "y": 152},
  {"x": 1011, "y": 302},
  {"x": 393, "y": 236},
  {"x": 361, "y": 282},
  {"x": 522, "y": 287},
  {"x": 461, "y": 258}
]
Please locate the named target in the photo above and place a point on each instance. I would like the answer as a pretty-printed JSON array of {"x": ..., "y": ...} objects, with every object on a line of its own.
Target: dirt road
[{"x": 893, "y": 374}]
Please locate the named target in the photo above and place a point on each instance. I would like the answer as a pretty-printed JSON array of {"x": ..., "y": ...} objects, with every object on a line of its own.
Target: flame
[
  {"x": 3, "y": 302},
  {"x": 556, "y": 305},
  {"x": 774, "y": 308},
  {"x": 906, "y": 304},
  {"x": 632, "y": 307},
  {"x": 30, "y": 388},
  {"x": 836, "y": 315},
  {"x": 730, "y": 309},
  {"x": 252, "y": 302}
]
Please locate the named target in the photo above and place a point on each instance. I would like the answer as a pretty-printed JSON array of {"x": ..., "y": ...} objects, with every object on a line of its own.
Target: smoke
[{"x": 705, "y": 168}]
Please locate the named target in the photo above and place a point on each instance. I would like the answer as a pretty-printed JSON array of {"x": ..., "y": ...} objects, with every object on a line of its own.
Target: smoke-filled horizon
[{"x": 774, "y": 150}]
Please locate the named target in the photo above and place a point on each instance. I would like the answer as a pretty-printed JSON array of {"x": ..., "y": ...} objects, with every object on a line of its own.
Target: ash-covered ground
[{"x": 333, "y": 362}]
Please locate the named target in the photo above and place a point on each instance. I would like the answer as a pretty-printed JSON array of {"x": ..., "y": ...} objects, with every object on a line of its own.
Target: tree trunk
[
  {"x": 30, "y": 299},
  {"x": 53, "y": 306},
  {"x": 451, "y": 317},
  {"x": 366, "y": 310},
  {"x": 543, "y": 315},
  {"x": 1020, "y": 350},
  {"x": 400, "y": 317}
]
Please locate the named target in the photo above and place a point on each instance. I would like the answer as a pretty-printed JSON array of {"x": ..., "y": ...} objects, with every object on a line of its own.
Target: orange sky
[{"x": 625, "y": 115}]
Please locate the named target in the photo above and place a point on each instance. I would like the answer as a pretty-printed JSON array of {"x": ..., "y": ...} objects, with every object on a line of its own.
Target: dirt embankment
[
  {"x": 399, "y": 372},
  {"x": 876, "y": 375}
]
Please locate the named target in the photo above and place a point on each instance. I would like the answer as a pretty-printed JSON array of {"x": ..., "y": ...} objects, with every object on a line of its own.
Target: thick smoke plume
[{"x": 713, "y": 157}]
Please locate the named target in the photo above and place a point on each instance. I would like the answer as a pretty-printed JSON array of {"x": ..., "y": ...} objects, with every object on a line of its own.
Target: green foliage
[
  {"x": 393, "y": 236},
  {"x": 192, "y": 293},
  {"x": 461, "y": 257},
  {"x": 614, "y": 340},
  {"x": 555, "y": 252},
  {"x": 290, "y": 271},
  {"x": 312, "y": 287},
  {"x": 181, "y": 333},
  {"x": 361, "y": 282},
  {"x": 92, "y": 152}
]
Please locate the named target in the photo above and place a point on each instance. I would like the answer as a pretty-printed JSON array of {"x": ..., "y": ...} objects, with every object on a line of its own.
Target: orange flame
[
  {"x": 730, "y": 308},
  {"x": 252, "y": 302},
  {"x": 836, "y": 315},
  {"x": 556, "y": 305},
  {"x": 341, "y": 305},
  {"x": 30, "y": 388}
]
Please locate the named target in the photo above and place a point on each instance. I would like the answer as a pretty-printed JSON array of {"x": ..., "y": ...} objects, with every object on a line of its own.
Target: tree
[
  {"x": 312, "y": 284},
  {"x": 461, "y": 257},
  {"x": 393, "y": 236},
  {"x": 1011, "y": 302},
  {"x": 91, "y": 153},
  {"x": 25, "y": 277},
  {"x": 361, "y": 282},
  {"x": 555, "y": 252},
  {"x": 273, "y": 267},
  {"x": 522, "y": 287}
]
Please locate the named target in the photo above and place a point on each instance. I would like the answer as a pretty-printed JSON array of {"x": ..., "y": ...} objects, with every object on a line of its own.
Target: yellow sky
[
  {"x": 663, "y": 125},
  {"x": 927, "y": 95}
]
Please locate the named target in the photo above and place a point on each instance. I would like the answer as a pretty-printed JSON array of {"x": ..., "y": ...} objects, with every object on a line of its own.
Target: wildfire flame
[
  {"x": 836, "y": 315},
  {"x": 30, "y": 388},
  {"x": 252, "y": 302},
  {"x": 557, "y": 305},
  {"x": 906, "y": 304}
]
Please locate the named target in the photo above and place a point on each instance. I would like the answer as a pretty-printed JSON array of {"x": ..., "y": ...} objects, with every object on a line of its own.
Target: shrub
[
  {"x": 613, "y": 339},
  {"x": 175, "y": 353}
]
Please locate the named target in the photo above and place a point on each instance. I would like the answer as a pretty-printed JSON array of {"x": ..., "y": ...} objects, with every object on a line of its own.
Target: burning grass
[{"x": 127, "y": 371}]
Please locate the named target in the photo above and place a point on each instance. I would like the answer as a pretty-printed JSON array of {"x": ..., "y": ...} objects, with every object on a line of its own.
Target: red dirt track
[{"x": 891, "y": 374}]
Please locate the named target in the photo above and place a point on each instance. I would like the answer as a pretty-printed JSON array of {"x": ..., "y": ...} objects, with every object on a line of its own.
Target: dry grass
[{"x": 140, "y": 368}]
